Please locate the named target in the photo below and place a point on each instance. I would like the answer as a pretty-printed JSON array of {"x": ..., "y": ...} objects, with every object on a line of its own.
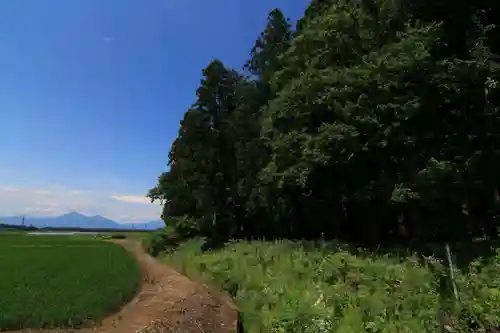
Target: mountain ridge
[{"x": 79, "y": 220}]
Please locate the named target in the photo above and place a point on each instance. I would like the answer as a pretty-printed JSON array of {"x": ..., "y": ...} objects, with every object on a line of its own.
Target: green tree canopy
[{"x": 372, "y": 121}]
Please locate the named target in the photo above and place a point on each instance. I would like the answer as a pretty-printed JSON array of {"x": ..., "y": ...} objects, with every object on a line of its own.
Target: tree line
[{"x": 367, "y": 120}]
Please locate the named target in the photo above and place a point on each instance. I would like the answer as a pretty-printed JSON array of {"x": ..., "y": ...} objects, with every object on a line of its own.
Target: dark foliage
[
  {"x": 5, "y": 227},
  {"x": 375, "y": 121}
]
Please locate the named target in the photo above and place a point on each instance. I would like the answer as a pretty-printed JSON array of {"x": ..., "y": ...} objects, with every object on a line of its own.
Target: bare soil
[{"x": 167, "y": 302}]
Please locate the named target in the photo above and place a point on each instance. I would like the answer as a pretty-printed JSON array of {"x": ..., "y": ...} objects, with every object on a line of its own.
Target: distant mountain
[{"x": 77, "y": 220}]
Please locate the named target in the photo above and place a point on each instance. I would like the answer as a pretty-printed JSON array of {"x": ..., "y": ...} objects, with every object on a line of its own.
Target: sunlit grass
[{"x": 281, "y": 287}]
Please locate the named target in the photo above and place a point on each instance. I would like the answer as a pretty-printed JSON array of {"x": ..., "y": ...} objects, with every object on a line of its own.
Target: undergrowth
[
  {"x": 281, "y": 287},
  {"x": 286, "y": 287}
]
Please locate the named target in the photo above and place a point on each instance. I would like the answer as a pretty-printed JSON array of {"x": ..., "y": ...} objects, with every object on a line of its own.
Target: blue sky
[{"x": 92, "y": 92}]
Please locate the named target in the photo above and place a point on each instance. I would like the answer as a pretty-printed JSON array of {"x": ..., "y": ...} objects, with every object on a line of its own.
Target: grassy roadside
[{"x": 284, "y": 287}]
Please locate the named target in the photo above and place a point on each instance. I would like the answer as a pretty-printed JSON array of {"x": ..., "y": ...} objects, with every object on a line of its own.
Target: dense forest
[{"x": 367, "y": 121}]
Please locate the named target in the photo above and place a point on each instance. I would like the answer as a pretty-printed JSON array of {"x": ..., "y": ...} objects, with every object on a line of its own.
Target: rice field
[{"x": 62, "y": 281}]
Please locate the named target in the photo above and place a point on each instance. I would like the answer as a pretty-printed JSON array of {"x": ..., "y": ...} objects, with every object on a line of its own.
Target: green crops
[{"x": 60, "y": 281}]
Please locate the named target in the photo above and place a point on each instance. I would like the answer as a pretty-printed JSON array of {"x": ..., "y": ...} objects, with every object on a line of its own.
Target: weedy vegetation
[{"x": 287, "y": 286}]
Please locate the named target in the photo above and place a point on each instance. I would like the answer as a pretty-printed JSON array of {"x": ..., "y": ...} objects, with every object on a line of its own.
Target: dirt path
[{"x": 167, "y": 302}]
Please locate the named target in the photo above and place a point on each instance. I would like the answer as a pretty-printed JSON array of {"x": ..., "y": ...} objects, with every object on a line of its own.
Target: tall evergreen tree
[
  {"x": 371, "y": 122},
  {"x": 265, "y": 54}
]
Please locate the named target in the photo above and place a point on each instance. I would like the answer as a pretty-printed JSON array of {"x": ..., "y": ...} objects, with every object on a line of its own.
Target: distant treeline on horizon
[{"x": 4, "y": 226}]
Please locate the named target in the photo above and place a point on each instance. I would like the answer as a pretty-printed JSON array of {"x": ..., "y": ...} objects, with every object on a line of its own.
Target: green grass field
[
  {"x": 287, "y": 287},
  {"x": 62, "y": 281}
]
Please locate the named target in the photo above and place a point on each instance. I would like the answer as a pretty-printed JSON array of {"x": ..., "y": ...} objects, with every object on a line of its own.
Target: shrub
[
  {"x": 169, "y": 238},
  {"x": 161, "y": 240},
  {"x": 118, "y": 236}
]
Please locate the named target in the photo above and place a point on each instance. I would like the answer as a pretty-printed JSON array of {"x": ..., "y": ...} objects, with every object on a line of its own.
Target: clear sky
[{"x": 92, "y": 92}]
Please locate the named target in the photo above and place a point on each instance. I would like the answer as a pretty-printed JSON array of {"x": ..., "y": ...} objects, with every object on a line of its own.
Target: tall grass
[
  {"x": 479, "y": 290},
  {"x": 282, "y": 287}
]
